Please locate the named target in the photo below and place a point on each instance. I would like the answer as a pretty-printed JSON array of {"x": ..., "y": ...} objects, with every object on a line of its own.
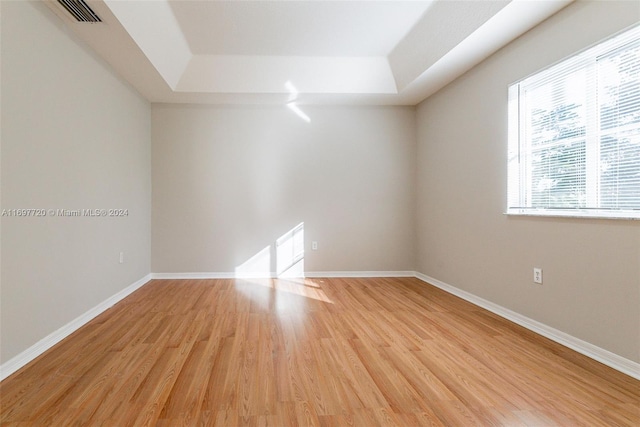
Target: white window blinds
[{"x": 574, "y": 135}]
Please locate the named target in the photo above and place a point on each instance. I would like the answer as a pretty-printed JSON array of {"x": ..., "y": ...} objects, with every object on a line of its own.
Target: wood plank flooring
[{"x": 311, "y": 352}]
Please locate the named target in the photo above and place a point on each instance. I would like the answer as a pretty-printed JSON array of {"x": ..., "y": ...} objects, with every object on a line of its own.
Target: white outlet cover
[{"x": 537, "y": 275}]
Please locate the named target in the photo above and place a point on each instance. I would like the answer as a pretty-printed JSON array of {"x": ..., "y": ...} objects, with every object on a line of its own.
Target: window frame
[{"x": 519, "y": 180}]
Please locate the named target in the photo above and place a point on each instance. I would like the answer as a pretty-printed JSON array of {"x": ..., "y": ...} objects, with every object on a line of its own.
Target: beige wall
[
  {"x": 591, "y": 268},
  {"x": 73, "y": 136},
  {"x": 228, "y": 181}
]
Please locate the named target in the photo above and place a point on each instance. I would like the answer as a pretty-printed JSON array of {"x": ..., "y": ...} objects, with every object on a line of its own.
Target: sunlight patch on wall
[
  {"x": 285, "y": 258},
  {"x": 258, "y": 265},
  {"x": 293, "y": 107},
  {"x": 290, "y": 252},
  {"x": 291, "y": 104}
]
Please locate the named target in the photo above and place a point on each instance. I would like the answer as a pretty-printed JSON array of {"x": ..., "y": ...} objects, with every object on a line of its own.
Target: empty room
[{"x": 319, "y": 213}]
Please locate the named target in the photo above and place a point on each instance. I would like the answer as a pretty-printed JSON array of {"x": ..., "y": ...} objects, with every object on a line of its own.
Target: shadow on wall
[{"x": 284, "y": 258}]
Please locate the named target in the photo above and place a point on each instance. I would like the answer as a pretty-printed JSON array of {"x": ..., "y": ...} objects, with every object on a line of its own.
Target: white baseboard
[
  {"x": 193, "y": 275},
  {"x": 310, "y": 274},
  {"x": 205, "y": 275},
  {"x": 355, "y": 274},
  {"x": 606, "y": 357},
  {"x": 20, "y": 360}
]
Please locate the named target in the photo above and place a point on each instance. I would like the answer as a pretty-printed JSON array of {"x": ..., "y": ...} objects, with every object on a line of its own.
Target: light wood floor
[{"x": 352, "y": 352}]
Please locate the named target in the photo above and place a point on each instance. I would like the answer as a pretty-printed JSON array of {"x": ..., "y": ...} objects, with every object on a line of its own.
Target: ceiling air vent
[{"x": 80, "y": 10}]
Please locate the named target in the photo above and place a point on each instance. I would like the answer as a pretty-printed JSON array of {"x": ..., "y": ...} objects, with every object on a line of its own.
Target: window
[{"x": 574, "y": 135}]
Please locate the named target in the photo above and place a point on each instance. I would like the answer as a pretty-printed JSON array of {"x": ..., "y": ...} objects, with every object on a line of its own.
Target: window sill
[{"x": 574, "y": 213}]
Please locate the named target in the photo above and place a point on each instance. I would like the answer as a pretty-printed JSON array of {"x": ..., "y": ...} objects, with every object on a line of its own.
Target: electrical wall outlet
[
  {"x": 314, "y": 246},
  {"x": 537, "y": 275}
]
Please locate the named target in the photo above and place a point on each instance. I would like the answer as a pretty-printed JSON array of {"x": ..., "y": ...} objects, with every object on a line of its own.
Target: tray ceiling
[{"x": 315, "y": 52}]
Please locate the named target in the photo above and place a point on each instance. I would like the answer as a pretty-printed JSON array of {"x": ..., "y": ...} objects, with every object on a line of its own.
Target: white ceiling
[
  {"x": 301, "y": 28},
  {"x": 310, "y": 52}
]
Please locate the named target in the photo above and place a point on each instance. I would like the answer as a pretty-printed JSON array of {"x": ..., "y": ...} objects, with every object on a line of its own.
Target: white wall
[
  {"x": 73, "y": 136},
  {"x": 591, "y": 268},
  {"x": 228, "y": 181}
]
